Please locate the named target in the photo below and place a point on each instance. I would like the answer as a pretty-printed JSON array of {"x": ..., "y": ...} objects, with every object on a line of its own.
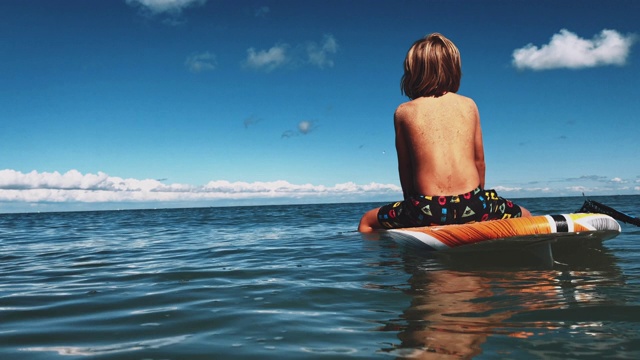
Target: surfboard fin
[{"x": 591, "y": 206}]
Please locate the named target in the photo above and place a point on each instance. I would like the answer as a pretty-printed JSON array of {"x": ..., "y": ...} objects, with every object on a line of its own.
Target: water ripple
[{"x": 296, "y": 283}]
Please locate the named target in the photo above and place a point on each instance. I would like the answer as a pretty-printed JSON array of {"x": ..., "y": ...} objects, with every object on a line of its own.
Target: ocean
[{"x": 297, "y": 282}]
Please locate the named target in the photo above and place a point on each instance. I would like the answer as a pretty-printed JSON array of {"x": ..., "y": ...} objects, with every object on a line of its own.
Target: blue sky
[{"x": 141, "y": 103}]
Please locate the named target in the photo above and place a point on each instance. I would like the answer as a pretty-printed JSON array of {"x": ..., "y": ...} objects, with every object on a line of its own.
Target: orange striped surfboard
[{"x": 515, "y": 232}]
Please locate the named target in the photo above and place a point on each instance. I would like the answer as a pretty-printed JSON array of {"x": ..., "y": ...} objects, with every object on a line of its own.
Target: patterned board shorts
[{"x": 419, "y": 210}]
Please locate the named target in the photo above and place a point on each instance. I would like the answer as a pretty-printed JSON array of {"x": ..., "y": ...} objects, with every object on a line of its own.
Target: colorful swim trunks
[{"x": 419, "y": 210}]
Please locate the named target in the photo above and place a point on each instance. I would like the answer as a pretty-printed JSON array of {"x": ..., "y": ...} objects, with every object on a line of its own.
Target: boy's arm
[{"x": 405, "y": 167}]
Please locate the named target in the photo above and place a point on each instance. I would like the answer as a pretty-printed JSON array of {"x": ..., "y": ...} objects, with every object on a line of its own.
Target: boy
[{"x": 439, "y": 146}]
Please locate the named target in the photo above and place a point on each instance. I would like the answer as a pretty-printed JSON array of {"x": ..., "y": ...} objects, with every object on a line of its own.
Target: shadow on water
[{"x": 497, "y": 305}]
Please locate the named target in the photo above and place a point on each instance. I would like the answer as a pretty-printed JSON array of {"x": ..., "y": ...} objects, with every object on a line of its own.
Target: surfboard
[{"x": 509, "y": 234}]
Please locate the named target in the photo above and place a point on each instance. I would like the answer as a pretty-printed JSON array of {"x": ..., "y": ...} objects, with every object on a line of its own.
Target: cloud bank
[
  {"x": 589, "y": 185},
  {"x": 45, "y": 191},
  {"x": 567, "y": 50},
  {"x": 73, "y": 186}
]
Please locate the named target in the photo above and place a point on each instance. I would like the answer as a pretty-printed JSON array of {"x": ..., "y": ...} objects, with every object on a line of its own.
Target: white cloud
[
  {"x": 73, "y": 186},
  {"x": 567, "y": 50},
  {"x": 579, "y": 189},
  {"x": 501, "y": 189},
  {"x": 320, "y": 54},
  {"x": 201, "y": 62},
  {"x": 165, "y": 6},
  {"x": 262, "y": 11},
  {"x": 304, "y": 127},
  {"x": 73, "y": 179},
  {"x": 310, "y": 53},
  {"x": 268, "y": 60},
  {"x": 516, "y": 189}
]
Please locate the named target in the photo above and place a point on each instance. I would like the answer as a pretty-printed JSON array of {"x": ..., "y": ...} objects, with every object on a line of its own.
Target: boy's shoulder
[
  {"x": 404, "y": 110},
  {"x": 410, "y": 109},
  {"x": 425, "y": 102}
]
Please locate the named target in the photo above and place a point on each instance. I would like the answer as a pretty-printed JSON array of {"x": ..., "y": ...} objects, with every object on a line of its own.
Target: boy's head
[{"x": 431, "y": 68}]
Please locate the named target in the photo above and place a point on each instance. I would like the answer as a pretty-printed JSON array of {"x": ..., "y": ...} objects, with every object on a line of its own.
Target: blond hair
[{"x": 432, "y": 68}]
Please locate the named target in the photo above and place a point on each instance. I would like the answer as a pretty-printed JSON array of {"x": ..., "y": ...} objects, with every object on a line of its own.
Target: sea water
[{"x": 298, "y": 282}]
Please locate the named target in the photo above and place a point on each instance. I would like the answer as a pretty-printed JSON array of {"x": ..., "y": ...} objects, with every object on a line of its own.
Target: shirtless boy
[{"x": 439, "y": 145}]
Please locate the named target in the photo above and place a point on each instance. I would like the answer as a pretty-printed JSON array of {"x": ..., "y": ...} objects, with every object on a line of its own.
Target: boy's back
[{"x": 439, "y": 145}]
